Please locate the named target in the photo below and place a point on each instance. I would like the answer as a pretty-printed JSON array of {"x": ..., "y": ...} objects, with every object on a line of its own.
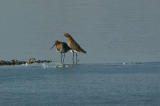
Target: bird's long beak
[{"x": 52, "y": 46}]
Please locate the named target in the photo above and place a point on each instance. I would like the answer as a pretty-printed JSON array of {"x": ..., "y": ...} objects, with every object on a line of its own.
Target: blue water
[{"x": 80, "y": 85}]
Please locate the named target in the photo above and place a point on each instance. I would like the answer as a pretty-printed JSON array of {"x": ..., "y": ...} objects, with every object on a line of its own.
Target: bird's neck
[{"x": 70, "y": 38}]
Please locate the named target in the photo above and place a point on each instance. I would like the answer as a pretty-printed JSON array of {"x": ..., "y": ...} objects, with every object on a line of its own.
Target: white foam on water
[
  {"x": 25, "y": 64},
  {"x": 124, "y": 63},
  {"x": 44, "y": 66},
  {"x": 60, "y": 65},
  {"x": 48, "y": 65}
]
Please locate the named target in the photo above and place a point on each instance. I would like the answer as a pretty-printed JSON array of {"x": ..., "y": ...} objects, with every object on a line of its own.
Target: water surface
[{"x": 81, "y": 85}]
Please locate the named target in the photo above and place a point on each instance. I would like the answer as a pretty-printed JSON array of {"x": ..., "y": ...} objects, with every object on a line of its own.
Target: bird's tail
[{"x": 83, "y": 51}]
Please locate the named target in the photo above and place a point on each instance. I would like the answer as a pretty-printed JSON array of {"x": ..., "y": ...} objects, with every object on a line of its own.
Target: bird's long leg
[
  {"x": 76, "y": 58},
  {"x": 73, "y": 57},
  {"x": 61, "y": 57}
]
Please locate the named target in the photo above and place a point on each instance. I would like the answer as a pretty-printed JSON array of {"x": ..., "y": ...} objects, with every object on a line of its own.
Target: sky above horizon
[{"x": 110, "y": 31}]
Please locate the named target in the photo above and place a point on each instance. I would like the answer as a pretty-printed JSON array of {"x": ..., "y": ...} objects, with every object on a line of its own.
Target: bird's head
[
  {"x": 67, "y": 35},
  {"x": 54, "y": 44}
]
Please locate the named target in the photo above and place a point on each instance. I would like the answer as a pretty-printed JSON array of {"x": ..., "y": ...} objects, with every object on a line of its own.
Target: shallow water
[{"x": 80, "y": 85}]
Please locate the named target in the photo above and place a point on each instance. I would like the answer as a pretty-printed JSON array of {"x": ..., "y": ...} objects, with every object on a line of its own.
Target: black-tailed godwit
[
  {"x": 75, "y": 47},
  {"x": 61, "y": 47}
]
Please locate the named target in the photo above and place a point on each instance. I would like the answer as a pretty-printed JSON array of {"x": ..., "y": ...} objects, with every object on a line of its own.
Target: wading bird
[
  {"x": 61, "y": 47},
  {"x": 74, "y": 46}
]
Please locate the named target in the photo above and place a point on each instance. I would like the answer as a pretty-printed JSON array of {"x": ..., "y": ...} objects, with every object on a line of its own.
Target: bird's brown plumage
[
  {"x": 61, "y": 47},
  {"x": 73, "y": 44}
]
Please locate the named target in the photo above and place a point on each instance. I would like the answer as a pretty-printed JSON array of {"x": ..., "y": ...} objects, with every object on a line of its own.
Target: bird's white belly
[
  {"x": 57, "y": 50},
  {"x": 74, "y": 51}
]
